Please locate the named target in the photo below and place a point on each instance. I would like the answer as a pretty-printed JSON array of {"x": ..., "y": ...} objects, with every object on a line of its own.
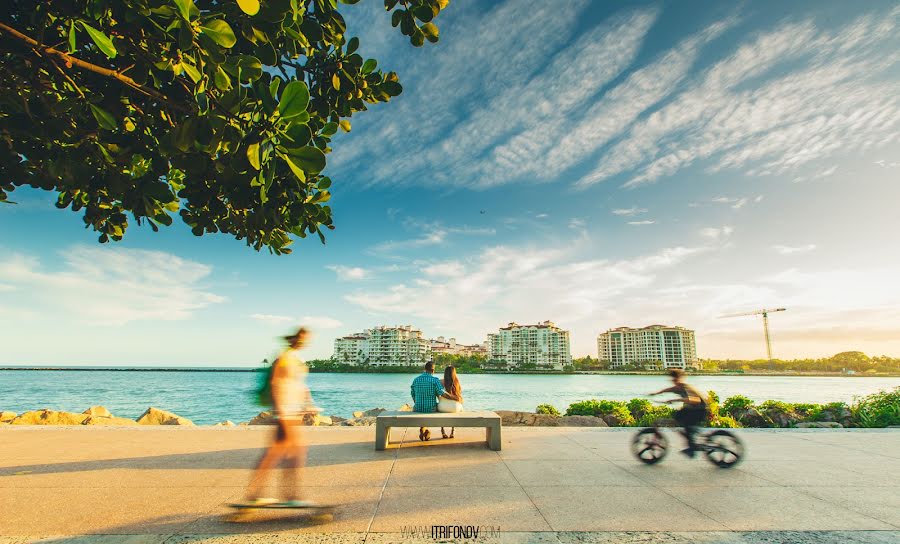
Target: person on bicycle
[{"x": 694, "y": 409}]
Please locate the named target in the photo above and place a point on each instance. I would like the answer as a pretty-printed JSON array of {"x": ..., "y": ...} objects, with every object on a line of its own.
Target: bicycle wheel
[
  {"x": 723, "y": 449},
  {"x": 649, "y": 446}
]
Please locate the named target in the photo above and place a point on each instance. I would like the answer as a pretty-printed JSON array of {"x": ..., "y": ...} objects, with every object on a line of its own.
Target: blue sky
[{"x": 597, "y": 164}]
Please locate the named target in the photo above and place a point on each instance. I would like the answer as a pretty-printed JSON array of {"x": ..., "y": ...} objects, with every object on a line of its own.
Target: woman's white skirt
[{"x": 448, "y": 406}]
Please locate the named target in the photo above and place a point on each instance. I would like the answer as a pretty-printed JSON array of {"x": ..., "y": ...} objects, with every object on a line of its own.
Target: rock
[
  {"x": 97, "y": 411},
  {"x": 751, "y": 417},
  {"x": 316, "y": 420},
  {"x": 820, "y": 425},
  {"x": 227, "y": 423},
  {"x": 612, "y": 420},
  {"x": 49, "y": 417},
  {"x": 581, "y": 421},
  {"x": 364, "y": 421},
  {"x": 113, "y": 420},
  {"x": 405, "y": 408},
  {"x": 263, "y": 418},
  {"x": 370, "y": 413},
  {"x": 781, "y": 418},
  {"x": 337, "y": 420},
  {"x": 6, "y": 417},
  {"x": 545, "y": 420},
  {"x": 155, "y": 416}
]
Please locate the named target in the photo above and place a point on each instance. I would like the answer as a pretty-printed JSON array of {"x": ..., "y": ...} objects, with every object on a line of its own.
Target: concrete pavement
[{"x": 559, "y": 485}]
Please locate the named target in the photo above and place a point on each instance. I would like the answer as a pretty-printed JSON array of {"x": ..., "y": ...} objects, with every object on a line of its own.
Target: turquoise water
[{"x": 210, "y": 397}]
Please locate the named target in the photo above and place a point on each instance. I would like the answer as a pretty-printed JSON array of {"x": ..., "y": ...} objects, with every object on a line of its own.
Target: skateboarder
[{"x": 290, "y": 399}]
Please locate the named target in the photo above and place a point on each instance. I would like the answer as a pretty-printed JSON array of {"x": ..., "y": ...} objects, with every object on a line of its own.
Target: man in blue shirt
[{"x": 425, "y": 390}]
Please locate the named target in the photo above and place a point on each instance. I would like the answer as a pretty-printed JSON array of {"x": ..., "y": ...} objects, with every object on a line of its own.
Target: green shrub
[
  {"x": 638, "y": 407},
  {"x": 713, "y": 406},
  {"x": 724, "y": 422},
  {"x": 808, "y": 412},
  {"x": 736, "y": 403},
  {"x": 878, "y": 409},
  {"x": 713, "y": 396},
  {"x": 548, "y": 409},
  {"x": 649, "y": 417},
  {"x": 594, "y": 407}
]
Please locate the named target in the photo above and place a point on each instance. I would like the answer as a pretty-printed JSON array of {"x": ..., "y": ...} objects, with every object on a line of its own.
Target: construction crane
[{"x": 765, "y": 315}]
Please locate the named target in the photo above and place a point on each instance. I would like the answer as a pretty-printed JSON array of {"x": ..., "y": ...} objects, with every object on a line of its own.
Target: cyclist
[{"x": 694, "y": 410}]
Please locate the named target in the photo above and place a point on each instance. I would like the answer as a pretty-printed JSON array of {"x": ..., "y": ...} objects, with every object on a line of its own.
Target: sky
[{"x": 596, "y": 164}]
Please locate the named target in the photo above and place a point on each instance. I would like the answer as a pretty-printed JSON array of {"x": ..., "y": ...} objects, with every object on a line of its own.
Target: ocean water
[{"x": 209, "y": 397}]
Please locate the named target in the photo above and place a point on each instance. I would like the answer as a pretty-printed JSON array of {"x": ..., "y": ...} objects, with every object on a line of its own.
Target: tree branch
[{"x": 72, "y": 61}]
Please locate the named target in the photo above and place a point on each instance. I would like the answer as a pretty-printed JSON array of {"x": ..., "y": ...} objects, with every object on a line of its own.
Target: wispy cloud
[
  {"x": 717, "y": 233},
  {"x": 273, "y": 319},
  {"x": 833, "y": 100},
  {"x": 113, "y": 286},
  {"x": 791, "y": 250},
  {"x": 447, "y": 268},
  {"x": 629, "y": 211},
  {"x": 641, "y": 223},
  {"x": 350, "y": 273},
  {"x": 313, "y": 322}
]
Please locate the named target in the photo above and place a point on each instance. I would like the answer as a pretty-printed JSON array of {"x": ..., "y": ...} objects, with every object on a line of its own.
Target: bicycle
[{"x": 721, "y": 447}]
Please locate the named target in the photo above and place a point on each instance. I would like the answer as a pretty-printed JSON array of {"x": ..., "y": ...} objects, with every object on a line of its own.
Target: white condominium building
[
  {"x": 450, "y": 347},
  {"x": 673, "y": 347},
  {"x": 381, "y": 346},
  {"x": 544, "y": 345},
  {"x": 353, "y": 349}
]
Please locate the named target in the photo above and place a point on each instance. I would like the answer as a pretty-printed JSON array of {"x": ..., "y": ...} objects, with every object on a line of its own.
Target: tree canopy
[{"x": 220, "y": 111}]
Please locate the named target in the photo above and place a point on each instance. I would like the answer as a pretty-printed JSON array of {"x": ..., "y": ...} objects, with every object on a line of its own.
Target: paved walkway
[{"x": 556, "y": 485}]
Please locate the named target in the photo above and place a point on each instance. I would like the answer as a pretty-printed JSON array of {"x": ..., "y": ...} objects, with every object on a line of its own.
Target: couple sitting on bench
[{"x": 431, "y": 394}]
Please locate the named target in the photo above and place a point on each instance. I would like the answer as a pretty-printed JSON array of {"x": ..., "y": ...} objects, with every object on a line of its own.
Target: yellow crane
[{"x": 765, "y": 315}]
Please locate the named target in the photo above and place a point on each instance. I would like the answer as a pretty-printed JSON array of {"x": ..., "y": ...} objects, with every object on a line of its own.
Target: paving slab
[
  {"x": 882, "y": 503},
  {"x": 571, "y": 473},
  {"x": 617, "y": 509},
  {"x": 777, "y": 508},
  {"x": 506, "y": 507}
]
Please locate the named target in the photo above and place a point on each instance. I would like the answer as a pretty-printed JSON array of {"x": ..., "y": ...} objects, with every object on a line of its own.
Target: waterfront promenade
[{"x": 547, "y": 485}]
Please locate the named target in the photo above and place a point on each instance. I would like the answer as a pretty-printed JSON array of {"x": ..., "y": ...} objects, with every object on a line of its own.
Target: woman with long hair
[{"x": 454, "y": 391}]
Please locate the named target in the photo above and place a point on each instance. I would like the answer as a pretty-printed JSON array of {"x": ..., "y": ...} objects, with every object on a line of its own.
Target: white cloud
[
  {"x": 629, "y": 211},
  {"x": 316, "y": 322},
  {"x": 577, "y": 224},
  {"x": 887, "y": 164},
  {"x": 541, "y": 216},
  {"x": 717, "y": 233},
  {"x": 433, "y": 234},
  {"x": 113, "y": 286},
  {"x": 273, "y": 319},
  {"x": 448, "y": 268},
  {"x": 641, "y": 223},
  {"x": 791, "y": 250},
  {"x": 832, "y": 99},
  {"x": 7, "y": 288},
  {"x": 350, "y": 273}
]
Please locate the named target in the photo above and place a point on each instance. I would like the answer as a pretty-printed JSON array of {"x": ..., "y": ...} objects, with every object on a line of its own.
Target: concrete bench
[{"x": 387, "y": 420}]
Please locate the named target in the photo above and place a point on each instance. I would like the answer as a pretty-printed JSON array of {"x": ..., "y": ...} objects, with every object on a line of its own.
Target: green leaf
[
  {"x": 368, "y": 66},
  {"x": 101, "y": 40},
  {"x": 220, "y": 32},
  {"x": 184, "y": 8},
  {"x": 191, "y": 71},
  {"x": 329, "y": 129},
  {"x": 298, "y": 134},
  {"x": 392, "y": 88},
  {"x": 423, "y": 13},
  {"x": 253, "y": 155},
  {"x": 324, "y": 183},
  {"x": 250, "y": 7},
  {"x": 352, "y": 45},
  {"x": 223, "y": 82},
  {"x": 295, "y": 168},
  {"x": 310, "y": 159},
  {"x": 431, "y": 32},
  {"x": 72, "y": 42},
  {"x": 294, "y": 99},
  {"x": 104, "y": 118}
]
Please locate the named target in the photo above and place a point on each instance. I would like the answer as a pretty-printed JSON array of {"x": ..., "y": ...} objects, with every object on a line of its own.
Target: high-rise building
[
  {"x": 352, "y": 349},
  {"x": 544, "y": 345},
  {"x": 382, "y": 346},
  {"x": 668, "y": 347},
  {"x": 451, "y": 347}
]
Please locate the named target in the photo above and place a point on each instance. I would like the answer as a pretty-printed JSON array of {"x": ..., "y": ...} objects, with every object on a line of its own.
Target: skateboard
[{"x": 244, "y": 511}]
